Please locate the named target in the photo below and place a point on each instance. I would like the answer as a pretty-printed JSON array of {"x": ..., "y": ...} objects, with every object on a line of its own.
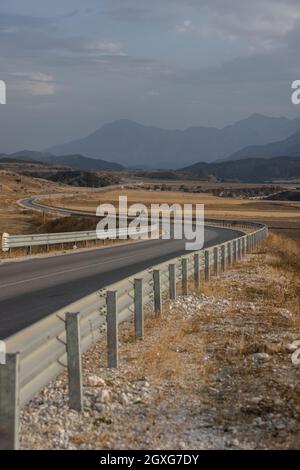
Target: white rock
[
  {"x": 291, "y": 347},
  {"x": 261, "y": 357},
  {"x": 296, "y": 357},
  {"x": 95, "y": 381},
  {"x": 256, "y": 400},
  {"x": 123, "y": 399},
  {"x": 104, "y": 396},
  {"x": 285, "y": 313}
]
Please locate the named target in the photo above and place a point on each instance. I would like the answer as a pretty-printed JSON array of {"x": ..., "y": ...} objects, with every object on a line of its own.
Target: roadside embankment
[{"x": 217, "y": 370}]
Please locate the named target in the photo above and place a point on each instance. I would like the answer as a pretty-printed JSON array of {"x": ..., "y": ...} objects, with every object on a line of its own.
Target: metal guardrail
[
  {"x": 46, "y": 239},
  {"x": 37, "y": 354}
]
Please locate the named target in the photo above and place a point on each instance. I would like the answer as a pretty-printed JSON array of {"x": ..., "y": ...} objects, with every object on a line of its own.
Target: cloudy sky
[{"x": 72, "y": 65}]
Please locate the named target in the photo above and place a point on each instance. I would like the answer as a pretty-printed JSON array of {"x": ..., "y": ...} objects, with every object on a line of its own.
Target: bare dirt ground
[{"x": 215, "y": 371}]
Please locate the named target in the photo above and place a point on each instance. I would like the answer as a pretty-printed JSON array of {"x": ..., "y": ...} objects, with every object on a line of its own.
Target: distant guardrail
[
  {"x": 37, "y": 354},
  {"x": 46, "y": 239},
  {"x": 10, "y": 242}
]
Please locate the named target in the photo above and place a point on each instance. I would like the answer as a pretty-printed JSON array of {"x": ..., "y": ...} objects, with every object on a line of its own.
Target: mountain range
[{"x": 138, "y": 146}]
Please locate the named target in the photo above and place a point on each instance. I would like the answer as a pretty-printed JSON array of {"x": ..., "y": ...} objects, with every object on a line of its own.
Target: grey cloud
[
  {"x": 262, "y": 22},
  {"x": 21, "y": 22},
  {"x": 264, "y": 68}
]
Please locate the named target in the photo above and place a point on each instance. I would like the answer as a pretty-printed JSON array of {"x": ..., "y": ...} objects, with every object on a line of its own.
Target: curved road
[{"x": 35, "y": 288}]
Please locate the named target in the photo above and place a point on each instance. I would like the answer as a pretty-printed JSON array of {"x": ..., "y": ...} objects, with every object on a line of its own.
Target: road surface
[{"x": 35, "y": 288}]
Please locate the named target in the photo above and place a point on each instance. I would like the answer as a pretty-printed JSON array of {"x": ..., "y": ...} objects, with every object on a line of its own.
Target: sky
[{"x": 71, "y": 66}]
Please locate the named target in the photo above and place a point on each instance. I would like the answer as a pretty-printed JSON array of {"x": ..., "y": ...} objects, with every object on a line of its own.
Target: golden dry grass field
[{"x": 284, "y": 216}]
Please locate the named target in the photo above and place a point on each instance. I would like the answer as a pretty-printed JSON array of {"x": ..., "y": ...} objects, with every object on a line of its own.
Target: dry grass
[
  {"x": 286, "y": 253},
  {"x": 284, "y": 216},
  {"x": 251, "y": 323},
  {"x": 13, "y": 187},
  {"x": 215, "y": 206}
]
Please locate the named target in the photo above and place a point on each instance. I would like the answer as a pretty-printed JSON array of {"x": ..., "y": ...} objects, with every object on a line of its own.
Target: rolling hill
[
  {"x": 77, "y": 162},
  {"x": 248, "y": 170}
]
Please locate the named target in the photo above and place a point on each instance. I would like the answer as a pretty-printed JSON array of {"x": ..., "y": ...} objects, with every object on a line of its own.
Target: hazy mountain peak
[
  {"x": 133, "y": 144},
  {"x": 287, "y": 147}
]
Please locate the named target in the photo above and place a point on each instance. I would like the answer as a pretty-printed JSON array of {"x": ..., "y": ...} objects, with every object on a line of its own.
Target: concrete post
[
  {"x": 207, "y": 265},
  {"x": 172, "y": 281},
  {"x": 74, "y": 361},
  {"x": 157, "y": 291},
  {"x": 184, "y": 274},
  {"x": 112, "y": 330},
  {"x": 138, "y": 308},
  {"x": 10, "y": 402},
  {"x": 197, "y": 270}
]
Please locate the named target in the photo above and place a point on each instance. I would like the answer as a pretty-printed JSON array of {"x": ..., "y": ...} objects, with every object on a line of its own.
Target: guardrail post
[
  {"x": 74, "y": 361},
  {"x": 234, "y": 251},
  {"x": 248, "y": 243},
  {"x": 223, "y": 257},
  {"x": 184, "y": 276},
  {"x": 207, "y": 265},
  {"x": 10, "y": 402},
  {"x": 244, "y": 246},
  {"x": 112, "y": 330},
  {"x": 197, "y": 270},
  {"x": 229, "y": 254},
  {"x": 138, "y": 308},
  {"x": 157, "y": 291},
  {"x": 216, "y": 261},
  {"x": 172, "y": 281}
]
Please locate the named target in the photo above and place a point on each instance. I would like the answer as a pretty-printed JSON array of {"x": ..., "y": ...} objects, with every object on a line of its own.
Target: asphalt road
[
  {"x": 35, "y": 288},
  {"x": 34, "y": 204}
]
